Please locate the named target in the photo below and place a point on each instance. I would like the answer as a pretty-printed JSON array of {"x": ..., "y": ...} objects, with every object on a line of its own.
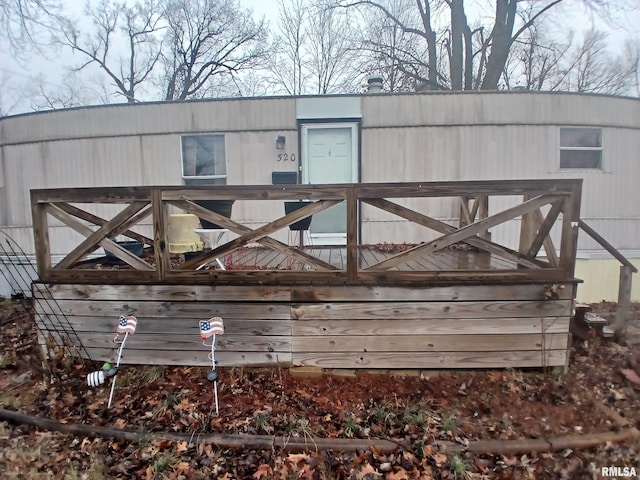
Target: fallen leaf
[
  {"x": 306, "y": 472},
  {"x": 427, "y": 451},
  {"x": 295, "y": 458},
  {"x": 69, "y": 399},
  {"x": 366, "y": 470},
  {"x": 439, "y": 458},
  {"x": 182, "y": 447},
  {"x": 182, "y": 467},
  {"x": 262, "y": 470},
  {"x": 401, "y": 474}
]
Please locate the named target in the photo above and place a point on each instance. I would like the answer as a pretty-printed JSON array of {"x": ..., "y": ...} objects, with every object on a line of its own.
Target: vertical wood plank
[
  {"x": 483, "y": 212},
  {"x": 624, "y": 303},
  {"x": 527, "y": 230},
  {"x": 160, "y": 240},
  {"x": 570, "y": 228},
  {"x": 465, "y": 214},
  {"x": 352, "y": 234},
  {"x": 41, "y": 237}
]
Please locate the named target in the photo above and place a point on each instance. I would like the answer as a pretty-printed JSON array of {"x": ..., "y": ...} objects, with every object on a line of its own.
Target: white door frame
[
  {"x": 329, "y": 238},
  {"x": 320, "y": 126}
]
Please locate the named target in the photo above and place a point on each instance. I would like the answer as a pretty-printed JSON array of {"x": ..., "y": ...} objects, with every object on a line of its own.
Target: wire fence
[{"x": 19, "y": 272}]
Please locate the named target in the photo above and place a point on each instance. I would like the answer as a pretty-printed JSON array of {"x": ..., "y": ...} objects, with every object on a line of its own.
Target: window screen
[
  {"x": 581, "y": 148},
  {"x": 203, "y": 156}
]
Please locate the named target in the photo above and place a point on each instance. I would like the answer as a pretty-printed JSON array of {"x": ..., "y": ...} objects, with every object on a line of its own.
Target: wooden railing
[{"x": 541, "y": 205}]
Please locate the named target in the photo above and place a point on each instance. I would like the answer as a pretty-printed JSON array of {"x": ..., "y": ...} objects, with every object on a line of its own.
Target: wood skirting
[{"x": 368, "y": 327}]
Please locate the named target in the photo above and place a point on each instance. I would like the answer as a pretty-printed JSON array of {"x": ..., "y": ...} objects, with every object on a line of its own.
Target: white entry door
[{"x": 330, "y": 155}]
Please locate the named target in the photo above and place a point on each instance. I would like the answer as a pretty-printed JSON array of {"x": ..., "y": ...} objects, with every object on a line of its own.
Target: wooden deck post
[
  {"x": 161, "y": 246},
  {"x": 41, "y": 236},
  {"x": 483, "y": 212},
  {"x": 621, "y": 321},
  {"x": 352, "y": 234},
  {"x": 570, "y": 228},
  {"x": 527, "y": 230}
]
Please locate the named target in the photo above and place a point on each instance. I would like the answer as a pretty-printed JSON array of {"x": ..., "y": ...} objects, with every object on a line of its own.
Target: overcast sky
[{"x": 16, "y": 78}]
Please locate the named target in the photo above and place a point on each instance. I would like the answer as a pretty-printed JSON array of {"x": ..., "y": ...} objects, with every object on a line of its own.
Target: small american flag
[
  {"x": 211, "y": 327},
  {"x": 127, "y": 324}
]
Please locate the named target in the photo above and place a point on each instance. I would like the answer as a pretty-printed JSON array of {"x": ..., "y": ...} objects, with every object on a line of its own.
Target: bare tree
[
  {"x": 11, "y": 94},
  {"x": 535, "y": 60},
  {"x": 460, "y": 53},
  {"x": 74, "y": 91},
  {"x": 124, "y": 42},
  {"x": 632, "y": 49},
  {"x": 331, "y": 48},
  {"x": 592, "y": 68},
  {"x": 22, "y": 21},
  {"x": 210, "y": 41},
  {"x": 287, "y": 66},
  {"x": 383, "y": 42}
]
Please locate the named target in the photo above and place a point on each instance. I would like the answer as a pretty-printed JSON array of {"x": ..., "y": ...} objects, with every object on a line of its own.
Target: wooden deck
[
  {"x": 460, "y": 300},
  {"x": 327, "y": 327},
  {"x": 368, "y": 256}
]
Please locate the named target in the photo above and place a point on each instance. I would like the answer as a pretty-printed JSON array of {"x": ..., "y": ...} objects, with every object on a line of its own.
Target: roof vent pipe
[{"x": 374, "y": 84}]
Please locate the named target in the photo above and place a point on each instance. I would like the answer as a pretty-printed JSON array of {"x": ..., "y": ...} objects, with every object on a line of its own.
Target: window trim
[
  {"x": 600, "y": 149},
  {"x": 203, "y": 177}
]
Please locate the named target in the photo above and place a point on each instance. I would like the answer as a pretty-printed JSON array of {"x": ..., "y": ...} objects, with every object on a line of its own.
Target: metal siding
[
  {"x": 412, "y": 137},
  {"x": 153, "y": 118},
  {"x": 601, "y": 278},
  {"x": 473, "y": 108}
]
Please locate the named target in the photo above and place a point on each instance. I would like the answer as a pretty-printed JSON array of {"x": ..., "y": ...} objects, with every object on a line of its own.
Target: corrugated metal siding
[
  {"x": 601, "y": 278},
  {"x": 434, "y": 136},
  {"x": 120, "y": 120},
  {"x": 473, "y": 108}
]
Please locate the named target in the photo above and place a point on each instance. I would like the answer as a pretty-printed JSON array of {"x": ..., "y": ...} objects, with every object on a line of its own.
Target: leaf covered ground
[{"x": 432, "y": 419}]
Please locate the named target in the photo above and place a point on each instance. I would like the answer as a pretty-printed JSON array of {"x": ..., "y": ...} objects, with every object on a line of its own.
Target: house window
[
  {"x": 581, "y": 148},
  {"x": 203, "y": 156}
]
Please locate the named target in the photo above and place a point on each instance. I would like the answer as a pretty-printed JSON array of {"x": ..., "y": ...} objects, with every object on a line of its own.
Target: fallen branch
[
  {"x": 612, "y": 414},
  {"x": 496, "y": 447},
  {"x": 573, "y": 442},
  {"x": 221, "y": 440}
]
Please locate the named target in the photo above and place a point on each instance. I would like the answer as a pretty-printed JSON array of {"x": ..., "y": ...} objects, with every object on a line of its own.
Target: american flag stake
[
  {"x": 127, "y": 324},
  {"x": 211, "y": 327}
]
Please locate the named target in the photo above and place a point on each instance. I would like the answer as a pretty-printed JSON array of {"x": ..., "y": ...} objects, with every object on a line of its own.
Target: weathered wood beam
[
  {"x": 465, "y": 232},
  {"x": 465, "y": 214},
  {"x": 430, "y": 360},
  {"x": 606, "y": 245},
  {"x": 41, "y": 237},
  {"x": 93, "y": 194},
  {"x": 178, "y": 293},
  {"x": 570, "y": 224},
  {"x": 121, "y": 230},
  {"x": 92, "y": 241},
  {"x": 411, "y": 342},
  {"x": 256, "y": 192},
  {"x": 112, "y": 246},
  {"x": 442, "y": 227},
  {"x": 482, "y": 204},
  {"x": 543, "y": 238},
  {"x": 470, "y": 188},
  {"x": 160, "y": 237},
  {"x": 621, "y": 322},
  {"x": 352, "y": 235}
]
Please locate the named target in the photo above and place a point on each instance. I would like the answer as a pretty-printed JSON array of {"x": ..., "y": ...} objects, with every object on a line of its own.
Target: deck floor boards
[{"x": 262, "y": 258}]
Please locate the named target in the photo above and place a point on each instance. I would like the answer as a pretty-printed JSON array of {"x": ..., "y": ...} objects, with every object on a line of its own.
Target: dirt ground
[{"x": 434, "y": 422}]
